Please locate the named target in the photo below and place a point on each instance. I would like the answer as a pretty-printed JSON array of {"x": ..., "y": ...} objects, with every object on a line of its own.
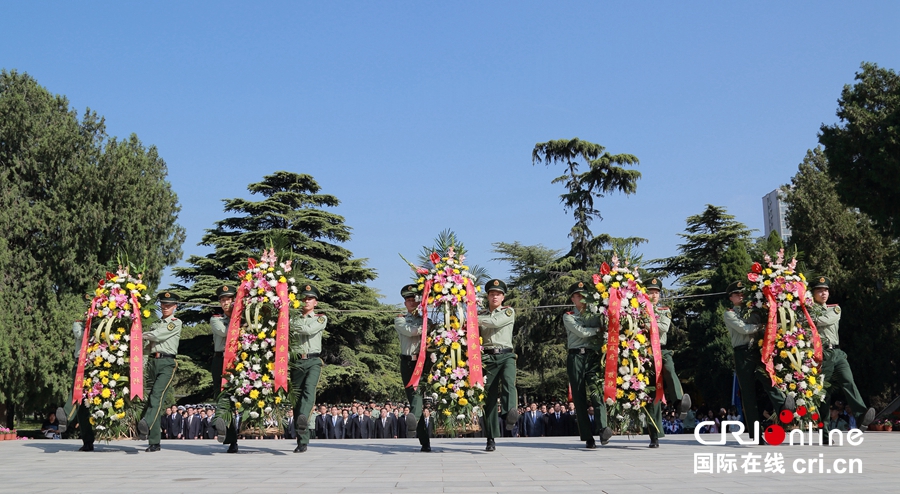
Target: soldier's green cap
[
  {"x": 225, "y": 291},
  {"x": 495, "y": 284},
  {"x": 409, "y": 291},
  {"x": 309, "y": 291},
  {"x": 654, "y": 284},
  {"x": 736, "y": 287},
  {"x": 168, "y": 297},
  {"x": 820, "y": 282},
  {"x": 580, "y": 287}
]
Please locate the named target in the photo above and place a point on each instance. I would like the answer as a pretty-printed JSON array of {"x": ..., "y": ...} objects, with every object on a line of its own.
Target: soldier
[
  {"x": 306, "y": 365},
  {"x": 835, "y": 368},
  {"x": 219, "y": 323},
  {"x": 743, "y": 329},
  {"x": 499, "y": 361},
  {"x": 69, "y": 411},
  {"x": 672, "y": 385},
  {"x": 583, "y": 364},
  {"x": 163, "y": 339},
  {"x": 409, "y": 330}
]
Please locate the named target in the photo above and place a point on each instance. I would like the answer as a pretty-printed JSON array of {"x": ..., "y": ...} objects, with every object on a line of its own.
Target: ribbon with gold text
[
  {"x": 136, "y": 357},
  {"x": 423, "y": 347},
  {"x": 473, "y": 338},
  {"x": 816, "y": 340},
  {"x": 770, "y": 334},
  {"x": 612, "y": 345},
  {"x": 78, "y": 389},
  {"x": 281, "y": 337},
  {"x": 232, "y": 340},
  {"x": 654, "y": 346}
]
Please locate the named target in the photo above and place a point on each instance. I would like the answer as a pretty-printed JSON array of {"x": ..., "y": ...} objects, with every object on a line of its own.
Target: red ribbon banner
[
  {"x": 281, "y": 337},
  {"x": 136, "y": 347},
  {"x": 234, "y": 330},
  {"x": 654, "y": 346},
  {"x": 816, "y": 340},
  {"x": 612, "y": 345},
  {"x": 423, "y": 347},
  {"x": 771, "y": 332},
  {"x": 473, "y": 338},
  {"x": 78, "y": 389}
]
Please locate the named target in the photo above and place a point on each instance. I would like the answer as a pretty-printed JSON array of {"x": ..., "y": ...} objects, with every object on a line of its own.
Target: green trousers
[
  {"x": 414, "y": 396},
  {"x": 217, "y": 361},
  {"x": 85, "y": 430},
  {"x": 674, "y": 394},
  {"x": 304, "y": 379},
  {"x": 836, "y": 370},
  {"x": 748, "y": 367},
  {"x": 582, "y": 370},
  {"x": 158, "y": 376},
  {"x": 224, "y": 403},
  {"x": 500, "y": 384}
]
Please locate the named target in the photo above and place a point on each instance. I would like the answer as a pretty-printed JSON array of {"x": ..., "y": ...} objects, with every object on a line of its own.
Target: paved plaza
[{"x": 460, "y": 466}]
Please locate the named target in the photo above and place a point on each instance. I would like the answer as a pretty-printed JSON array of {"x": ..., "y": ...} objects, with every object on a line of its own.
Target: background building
[{"x": 773, "y": 214}]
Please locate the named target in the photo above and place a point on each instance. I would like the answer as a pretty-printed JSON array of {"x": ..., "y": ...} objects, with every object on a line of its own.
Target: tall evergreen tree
[
  {"x": 73, "y": 202},
  {"x": 357, "y": 348}
]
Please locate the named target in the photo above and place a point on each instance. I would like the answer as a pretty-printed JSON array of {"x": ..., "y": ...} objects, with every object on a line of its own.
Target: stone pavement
[{"x": 461, "y": 466}]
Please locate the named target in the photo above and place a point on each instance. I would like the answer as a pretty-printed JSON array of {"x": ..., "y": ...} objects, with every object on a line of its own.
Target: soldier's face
[
  {"x": 653, "y": 295},
  {"x": 736, "y": 298},
  {"x": 495, "y": 298},
  {"x": 309, "y": 303},
  {"x": 820, "y": 295},
  {"x": 167, "y": 309},
  {"x": 227, "y": 304},
  {"x": 410, "y": 303},
  {"x": 578, "y": 300}
]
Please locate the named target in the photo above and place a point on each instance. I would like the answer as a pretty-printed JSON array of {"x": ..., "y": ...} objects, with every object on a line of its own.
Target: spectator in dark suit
[
  {"x": 321, "y": 430},
  {"x": 348, "y": 425},
  {"x": 534, "y": 422},
  {"x": 164, "y": 423},
  {"x": 290, "y": 431},
  {"x": 546, "y": 419},
  {"x": 176, "y": 423},
  {"x": 557, "y": 422},
  {"x": 363, "y": 428},
  {"x": 595, "y": 427},
  {"x": 334, "y": 425},
  {"x": 429, "y": 422},
  {"x": 401, "y": 423},
  {"x": 386, "y": 425},
  {"x": 571, "y": 421}
]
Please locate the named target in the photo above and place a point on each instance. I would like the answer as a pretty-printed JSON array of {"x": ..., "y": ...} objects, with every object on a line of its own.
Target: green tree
[
  {"x": 845, "y": 245},
  {"x": 74, "y": 200},
  {"x": 863, "y": 150},
  {"x": 358, "y": 347},
  {"x": 604, "y": 175}
]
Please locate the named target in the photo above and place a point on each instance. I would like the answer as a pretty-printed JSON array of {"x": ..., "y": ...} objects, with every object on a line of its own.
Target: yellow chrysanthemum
[
  {"x": 261, "y": 404},
  {"x": 619, "y": 393},
  {"x": 120, "y": 403},
  {"x": 254, "y": 394},
  {"x": 442, "y": 389},
  {"x": 463, "y": 402},
  {"x": 106, "y": 393}
]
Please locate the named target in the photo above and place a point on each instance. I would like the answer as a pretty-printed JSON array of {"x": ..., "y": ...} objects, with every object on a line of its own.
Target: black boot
[
  {"x": 511, "y": 418},
  {"x": 654, "y": 443},
  {"x": 87, "y": 447},
  {"x": 590, "y": 443},
  {"x": 605, "y": 434},
  {"x": 301, "y": 448},
  {"x": 62, "y": 419},
  {"x": 411, "y": 424},
  {"x": 143, "y": 430},
  {"x": 152, "y": 448},
  {"x": 684, "y": 406},
  {"x": 221, "y": 430},
  {"x": 490, "y": 445},
  {"x": 233, "y": 448}
]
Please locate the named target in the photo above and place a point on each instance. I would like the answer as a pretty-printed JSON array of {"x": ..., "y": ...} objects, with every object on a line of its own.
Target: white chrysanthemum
[
  {"x": 245, "y": 346},
  {"x": 125, "y": 391},
  {"x": 626, "y": 406},
  {"x": 269, "y": 354},
  {"x": 100, "y": 427},
  {"x": 443, "y": 401},
  {"x": 267, "y": 391},
  {"x": 778, "y": 367},
  {"x": 254, "y": 415},
  {"x": 112, "y": 383},
  {"x": 626, "y": 385},
  {"x": 247, "y": 400},
  {"x": 803, "y": 385},
  {"x": 804, "y": 369}
]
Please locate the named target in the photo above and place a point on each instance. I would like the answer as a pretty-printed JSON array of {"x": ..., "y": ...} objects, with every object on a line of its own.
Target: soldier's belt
[
  {"x": 581, "y": 351},
  {"x": 496, "y": 351},
  {"x": 162, "y": 355},
  {"x": 307, "y": 356},
  {"x": 409, "y": 357}
]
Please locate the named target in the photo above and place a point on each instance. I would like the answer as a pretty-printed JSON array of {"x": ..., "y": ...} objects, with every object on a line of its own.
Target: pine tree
[{"x": 358, "y": 348}]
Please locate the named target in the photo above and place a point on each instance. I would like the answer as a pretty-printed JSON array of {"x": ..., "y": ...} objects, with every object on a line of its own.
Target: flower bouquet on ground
[
  {"x": 447, "y": 295},
  {"x": 632, "y": 365},
  {"x": 791, "y": 348},
  {"x": 109, "y": 376},
  {"x": 254, "y": 377}
]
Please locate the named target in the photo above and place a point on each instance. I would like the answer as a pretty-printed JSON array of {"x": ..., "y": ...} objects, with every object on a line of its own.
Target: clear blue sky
[{"x": 420, "y": 117}]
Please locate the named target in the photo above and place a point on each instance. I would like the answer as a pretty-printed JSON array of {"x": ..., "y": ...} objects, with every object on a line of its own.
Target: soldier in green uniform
[
  {"x": 306, "y": 365},
  {"x": 583, "y": 365},
  {"x": 499, "y": 362},
  {"x": 67, "y": 413},
  {"x": 671, "y": 384},
  {"x": 409, "y": 330},
  {"x": 163, "y": 338},
  {"x": 218, "y": 323},
  {"x": 745, "y": 330},
  {"x": 835, "y": 368}
]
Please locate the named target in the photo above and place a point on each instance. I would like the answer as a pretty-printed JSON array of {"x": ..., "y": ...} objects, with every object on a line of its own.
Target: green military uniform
[
  {"x": 218, "y": 324},
  {"x": 163, "y": 338},
  {"x": 671, "y": 384},
  {"x": 67, "y": 413},
  {"x": 582, "y": 367},
  {"x": 744, "y": 329},
  {"x": 499, "y": 363},
  {"x": 835, "y": 367},
  {"x": 306, "y": 365},
  {"x": 409, "y": 330}
]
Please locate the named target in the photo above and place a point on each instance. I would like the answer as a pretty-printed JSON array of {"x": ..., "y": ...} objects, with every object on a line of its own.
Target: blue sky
[{"x": 420, "y": 117}]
